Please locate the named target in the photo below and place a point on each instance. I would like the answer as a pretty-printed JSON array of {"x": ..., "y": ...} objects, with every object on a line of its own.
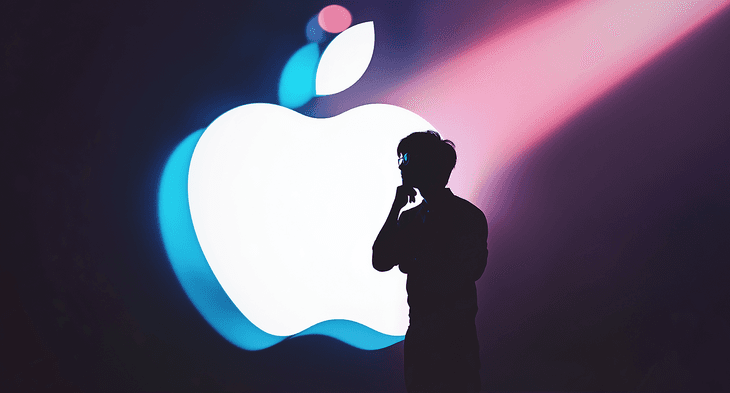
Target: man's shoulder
[{"x": 467, "y": 208}]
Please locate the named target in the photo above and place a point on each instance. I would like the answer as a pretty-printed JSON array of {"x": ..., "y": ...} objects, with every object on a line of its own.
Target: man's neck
[{"x": 434, "y": 196}]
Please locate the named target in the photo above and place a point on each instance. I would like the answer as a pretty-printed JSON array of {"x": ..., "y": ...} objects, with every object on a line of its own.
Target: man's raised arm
[{"x": 388, "y": 246}]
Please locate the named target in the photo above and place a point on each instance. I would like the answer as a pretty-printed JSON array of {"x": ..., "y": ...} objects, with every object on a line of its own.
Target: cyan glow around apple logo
[{"x": 268, "y": 218}]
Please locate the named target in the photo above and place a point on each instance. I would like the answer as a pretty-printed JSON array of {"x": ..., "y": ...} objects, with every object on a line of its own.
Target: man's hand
[{"x": 403, "y": 195}]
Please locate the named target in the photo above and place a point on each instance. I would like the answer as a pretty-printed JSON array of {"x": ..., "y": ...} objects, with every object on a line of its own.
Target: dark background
[{"x": 608, "y": 272}]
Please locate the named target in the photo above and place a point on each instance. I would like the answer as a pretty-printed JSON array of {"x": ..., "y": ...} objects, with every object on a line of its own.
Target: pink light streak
[{"x": 511, "y": 92}]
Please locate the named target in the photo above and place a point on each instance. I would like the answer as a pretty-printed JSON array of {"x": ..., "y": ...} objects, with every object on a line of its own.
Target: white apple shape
[{"x": 286, "y": 209}]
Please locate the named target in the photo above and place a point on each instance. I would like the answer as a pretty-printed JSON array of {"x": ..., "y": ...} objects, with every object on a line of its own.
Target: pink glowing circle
[{"x": 334, "y": 18}]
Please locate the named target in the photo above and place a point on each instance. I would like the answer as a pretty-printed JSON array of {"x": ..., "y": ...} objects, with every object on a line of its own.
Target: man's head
[{"x": 430, "y": 159}]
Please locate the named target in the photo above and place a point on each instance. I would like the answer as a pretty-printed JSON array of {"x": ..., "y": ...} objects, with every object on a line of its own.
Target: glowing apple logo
[{"x": 268, "y": 216}]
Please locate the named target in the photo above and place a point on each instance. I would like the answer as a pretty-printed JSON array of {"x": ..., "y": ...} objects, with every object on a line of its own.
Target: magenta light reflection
[
  {"x": 507, "y": 94},
  {"x": 335, "y": 18}
]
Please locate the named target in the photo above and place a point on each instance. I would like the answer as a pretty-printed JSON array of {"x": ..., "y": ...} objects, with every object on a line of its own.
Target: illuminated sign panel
[{"x": 269, "y": 216}]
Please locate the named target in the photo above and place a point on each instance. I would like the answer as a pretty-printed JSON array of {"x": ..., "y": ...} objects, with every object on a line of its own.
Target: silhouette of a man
[{"x": 442, "y": 245}]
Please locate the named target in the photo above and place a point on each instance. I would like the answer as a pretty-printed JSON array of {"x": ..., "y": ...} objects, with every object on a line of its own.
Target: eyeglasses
[{"x": 403, "y": 160}]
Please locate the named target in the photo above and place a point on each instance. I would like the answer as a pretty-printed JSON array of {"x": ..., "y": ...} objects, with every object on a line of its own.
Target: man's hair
[{"x": 438, "y": 155}]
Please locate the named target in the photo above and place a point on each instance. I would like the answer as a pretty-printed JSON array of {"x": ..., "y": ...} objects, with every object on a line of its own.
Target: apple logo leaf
[{"x": 345, "y": 59}]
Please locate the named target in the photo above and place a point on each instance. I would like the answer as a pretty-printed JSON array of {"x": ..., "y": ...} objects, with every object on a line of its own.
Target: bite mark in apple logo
[{"x": 268, "y": 216}]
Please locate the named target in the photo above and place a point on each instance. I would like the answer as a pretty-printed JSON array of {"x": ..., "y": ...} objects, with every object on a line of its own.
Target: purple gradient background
[{"x": 608, "y": 264}]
